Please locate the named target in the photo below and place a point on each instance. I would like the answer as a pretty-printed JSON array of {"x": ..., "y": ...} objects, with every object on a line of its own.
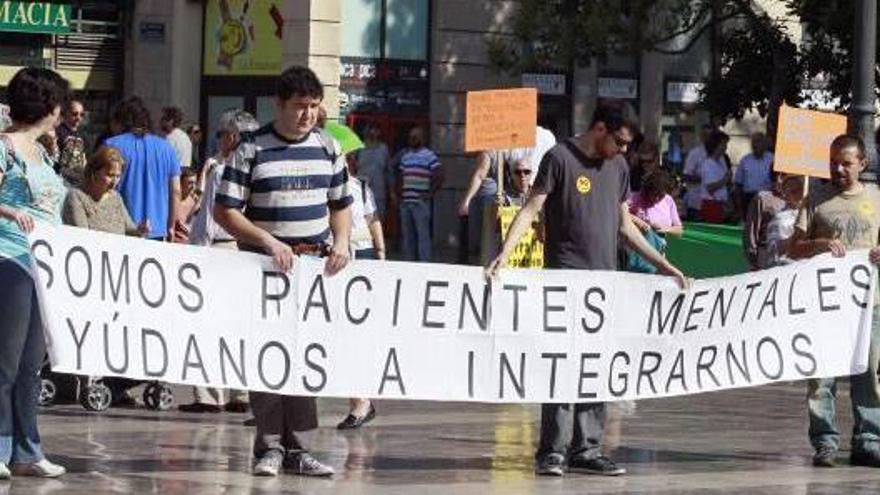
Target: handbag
[{"x": 638, "y": 264}]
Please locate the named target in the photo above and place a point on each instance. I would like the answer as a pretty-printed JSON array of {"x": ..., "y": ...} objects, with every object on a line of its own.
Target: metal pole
[{"x": 862, "y": 112}]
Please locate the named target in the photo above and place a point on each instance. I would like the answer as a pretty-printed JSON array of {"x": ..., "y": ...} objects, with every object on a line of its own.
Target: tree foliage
[{"x": 758, "y": 66}]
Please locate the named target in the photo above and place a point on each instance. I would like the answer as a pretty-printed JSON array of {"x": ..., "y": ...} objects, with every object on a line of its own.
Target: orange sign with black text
[
  {"x": 803, "y": 141},
  {"x": 500, "y": 119}
]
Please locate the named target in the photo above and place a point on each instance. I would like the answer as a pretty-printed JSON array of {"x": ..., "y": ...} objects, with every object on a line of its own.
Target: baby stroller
[{"x": 98, "y": 394}]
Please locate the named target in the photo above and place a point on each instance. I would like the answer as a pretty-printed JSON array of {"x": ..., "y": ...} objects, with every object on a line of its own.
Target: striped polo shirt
[
  {"x": 285, "y": 187},
  {"x": 417, "y": 169}
]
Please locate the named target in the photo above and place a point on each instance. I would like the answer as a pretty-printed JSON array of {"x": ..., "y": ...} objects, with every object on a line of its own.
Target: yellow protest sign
[
  {"x": 242, "y": 38},
  {"x": 500, "y": 119},
  {"x": 803, "y": 139},
  {"x": 529, "y": 252}
]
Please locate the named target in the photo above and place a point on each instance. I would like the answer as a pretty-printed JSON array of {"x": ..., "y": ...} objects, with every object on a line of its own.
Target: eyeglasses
[{"x": 523, "y": 171}]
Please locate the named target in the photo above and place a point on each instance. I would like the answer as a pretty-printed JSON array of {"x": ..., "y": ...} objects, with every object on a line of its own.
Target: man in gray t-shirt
[
  {"x": 582, "y": 209},
  {"x": 582, "y": 184}
]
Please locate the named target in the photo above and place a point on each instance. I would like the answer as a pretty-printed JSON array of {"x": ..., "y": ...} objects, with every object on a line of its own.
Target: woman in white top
[
  {"x": 715, "y": 179},
  {"x": 367, "y": 242}
]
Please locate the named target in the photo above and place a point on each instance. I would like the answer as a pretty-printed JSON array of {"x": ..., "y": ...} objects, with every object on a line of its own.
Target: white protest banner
[{"x": 120, "y": 306}]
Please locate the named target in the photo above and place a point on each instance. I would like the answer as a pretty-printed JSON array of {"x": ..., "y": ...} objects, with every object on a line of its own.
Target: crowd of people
[{"x": 599, "y": 201}]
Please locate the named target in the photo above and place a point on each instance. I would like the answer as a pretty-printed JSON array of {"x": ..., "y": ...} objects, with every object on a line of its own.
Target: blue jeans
[
  {"x": 415, "y": 225},
  {"x": 865, "y": 395},
  {"x": 22, "y": 350}
]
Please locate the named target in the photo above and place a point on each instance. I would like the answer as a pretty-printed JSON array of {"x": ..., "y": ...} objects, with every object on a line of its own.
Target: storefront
[
  {"x": 82, "y": 40},
  {"x": 385, "y": 71}
]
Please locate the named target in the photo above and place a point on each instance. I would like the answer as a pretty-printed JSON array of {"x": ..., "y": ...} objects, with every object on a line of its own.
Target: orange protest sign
[
  {"x": 803, "y": 139},
  {"x": 500, "y": 119}
]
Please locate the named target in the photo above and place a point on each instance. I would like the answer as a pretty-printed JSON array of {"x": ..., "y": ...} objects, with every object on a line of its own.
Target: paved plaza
[{"x": 749, "y": 441}]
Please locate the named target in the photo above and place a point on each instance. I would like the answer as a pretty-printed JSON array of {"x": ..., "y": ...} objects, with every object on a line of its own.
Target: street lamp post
[{"x": 862, "y": 112}]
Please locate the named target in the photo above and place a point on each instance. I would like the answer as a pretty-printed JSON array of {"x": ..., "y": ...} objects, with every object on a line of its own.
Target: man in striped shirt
[
  {"x": 420, "y": 175},
  {"x": 292, "y": 183}
]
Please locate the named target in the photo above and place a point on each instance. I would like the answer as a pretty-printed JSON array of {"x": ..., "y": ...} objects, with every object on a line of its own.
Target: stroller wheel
[
  {"x": 96, "y": 397},
  {"x": 48, "y": 391},
  {"x": 158, "y": 396}
]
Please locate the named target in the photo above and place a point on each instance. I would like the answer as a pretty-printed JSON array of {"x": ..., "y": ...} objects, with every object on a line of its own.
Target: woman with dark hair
[
  {"x": 715, "y": 178},
  {"x": 653, "y": 208},
  {"x": 150, "y": 184},
  {"x": 30, "y": 192}
]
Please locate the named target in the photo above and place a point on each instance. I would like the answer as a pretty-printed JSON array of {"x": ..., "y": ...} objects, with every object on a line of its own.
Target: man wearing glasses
[
  {"x": 71, "y": 147},
  {"x": 582, "y": 186}
]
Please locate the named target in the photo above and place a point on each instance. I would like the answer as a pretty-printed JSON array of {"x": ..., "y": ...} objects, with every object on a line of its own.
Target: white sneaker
[
  {"x": 42, "y": 469},
  {"x": 4, "y": 472}
]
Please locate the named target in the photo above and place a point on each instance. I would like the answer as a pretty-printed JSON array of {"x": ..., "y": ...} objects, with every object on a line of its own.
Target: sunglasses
[{"x": 525, "y": 172}]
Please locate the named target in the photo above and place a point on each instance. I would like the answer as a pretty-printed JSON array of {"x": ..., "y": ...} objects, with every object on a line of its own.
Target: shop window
[
  {"x": 406, "y": 32},
  {"x": 362, "y": 28},
  {"x": 385, "y": 29}
]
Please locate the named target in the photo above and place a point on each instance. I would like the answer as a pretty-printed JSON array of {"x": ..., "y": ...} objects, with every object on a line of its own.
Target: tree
[{"x": 759, "y": 66}]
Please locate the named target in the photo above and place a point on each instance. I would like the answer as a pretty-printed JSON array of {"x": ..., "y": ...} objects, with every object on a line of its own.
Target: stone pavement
[{"x": 743, "y": 441}]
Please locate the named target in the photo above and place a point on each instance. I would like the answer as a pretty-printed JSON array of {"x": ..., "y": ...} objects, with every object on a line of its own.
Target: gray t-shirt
[{"x": 582, "y": 211}]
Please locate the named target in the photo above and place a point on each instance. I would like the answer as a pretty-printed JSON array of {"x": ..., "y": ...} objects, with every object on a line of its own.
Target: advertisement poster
[{"x": 243, "y": 38}]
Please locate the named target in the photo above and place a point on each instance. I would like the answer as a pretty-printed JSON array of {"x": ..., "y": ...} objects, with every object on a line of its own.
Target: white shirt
[
  {"x": 712, "y": 170},
  {"x": 544, "y": 140},
  {"x": 204, "y": 230},
  {"x": 694, "y": 159},
  {"x": 182, "y": 146},
  {"x": 363, "y": 206},
  {"x": 753, "y": 173}
]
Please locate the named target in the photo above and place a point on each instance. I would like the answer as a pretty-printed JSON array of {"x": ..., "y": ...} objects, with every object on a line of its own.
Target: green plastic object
[
  {"x": 345, "y": 135},
  {"x": 708, "y": 250}
]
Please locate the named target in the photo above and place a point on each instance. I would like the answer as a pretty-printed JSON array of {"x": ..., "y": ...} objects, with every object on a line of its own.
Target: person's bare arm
[
  {"x": 340, "y": 253},
  {"x": 675, "y": 230},
  {"x": 801, "y": 247},
  {"x": 377, "y": 235},
  {"x": 174, "y": 204},
  {"x": 521, "y": 223},
  {"x": 481, "y": 171}
]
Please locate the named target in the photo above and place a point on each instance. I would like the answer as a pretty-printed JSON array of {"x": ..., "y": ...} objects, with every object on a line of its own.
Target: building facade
[{"x": 395, "y": 63}]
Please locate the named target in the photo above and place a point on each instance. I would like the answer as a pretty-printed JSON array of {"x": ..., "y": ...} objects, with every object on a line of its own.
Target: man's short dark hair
[
  {"x": 844, "y": 141},
  {"x": 174, "y": 114},
  {"x": 299, "y": 81},
  {"x": 34, "y": 93},
  {"x": 611, "y": 117},
  {"x": 132, "y": 115}
]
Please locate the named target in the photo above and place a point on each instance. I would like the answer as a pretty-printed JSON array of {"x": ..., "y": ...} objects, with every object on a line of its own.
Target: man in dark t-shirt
[{"x": 583, "y": 185}]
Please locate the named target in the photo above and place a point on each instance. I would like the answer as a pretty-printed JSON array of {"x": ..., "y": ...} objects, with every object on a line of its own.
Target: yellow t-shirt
[{"x": 854, "y": 219}]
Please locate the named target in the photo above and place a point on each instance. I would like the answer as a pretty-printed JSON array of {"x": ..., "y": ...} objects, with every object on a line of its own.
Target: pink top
[{"x": 662, "y": 215}]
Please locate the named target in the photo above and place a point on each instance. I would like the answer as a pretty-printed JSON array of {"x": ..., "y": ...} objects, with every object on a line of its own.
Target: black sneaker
[
  {"x": 600, "y": 465},
  {"x": 550, "y": 465},
  {"x": 825, "y": 456},
  {"x": 869, "y": 458},
  {"x": 303, "y": 464}
]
